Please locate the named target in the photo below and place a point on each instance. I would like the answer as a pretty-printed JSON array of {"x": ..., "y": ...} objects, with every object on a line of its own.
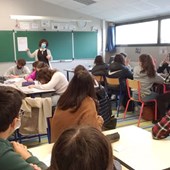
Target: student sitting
[
  {"x": 118, "y": 69},
  {"x": 127, "y": 61},
  {"x": 162, "y": 129},
  {"x": 51, "y": 79},
  {"x": 20, "y": 70},
  {"x": 83, "y": 148},
  {"x": 164, "y": 66},
  {"x": 146, "y": 73},
  {"x": 13, "y": 156},
  {"x": 76, "y": 106},
  {"x": 37, "y": 65},
  {"x": 100, "y": 68}
]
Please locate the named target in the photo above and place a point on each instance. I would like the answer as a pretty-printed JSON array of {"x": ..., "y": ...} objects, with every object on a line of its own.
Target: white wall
[{"x": 37, "y": 8}]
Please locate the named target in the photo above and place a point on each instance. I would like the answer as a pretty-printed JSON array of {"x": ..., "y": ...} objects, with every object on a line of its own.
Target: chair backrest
[
  {"x": 133, "y": 85},
  {"x": 112, "y": 81},
  {"x": 98, "y": 78}
]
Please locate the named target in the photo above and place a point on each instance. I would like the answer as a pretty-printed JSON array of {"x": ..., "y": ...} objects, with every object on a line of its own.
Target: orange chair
[
  {"x": 135, "y": 85},
  {"x": 100, "y": 79}
]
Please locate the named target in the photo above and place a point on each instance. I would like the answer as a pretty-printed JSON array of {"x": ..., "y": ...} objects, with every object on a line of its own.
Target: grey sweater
[
  {"x": 15, "y": 71},
  {"x": 146, "y": 82}
]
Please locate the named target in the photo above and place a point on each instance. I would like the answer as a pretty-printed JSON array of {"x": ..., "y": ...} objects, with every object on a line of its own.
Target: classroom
[{"x": 126, "y": 32}]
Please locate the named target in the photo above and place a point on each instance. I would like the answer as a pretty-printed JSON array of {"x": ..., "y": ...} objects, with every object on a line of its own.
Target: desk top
[
  {"x": 17, "y": 83},
  {"x": 136, "y": 149},
  {"x": 139, "y": 151},
  {"x": 43, "y": 153},
  {"x": 27, "y": 90}
]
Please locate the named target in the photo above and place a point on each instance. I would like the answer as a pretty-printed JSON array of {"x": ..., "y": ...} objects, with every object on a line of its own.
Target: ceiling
[{"x": 117, "y": 11}]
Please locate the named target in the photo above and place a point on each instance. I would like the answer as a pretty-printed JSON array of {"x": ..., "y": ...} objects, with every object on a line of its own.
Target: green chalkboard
[
  {"x": 85, "y": 45},
  {"x": 7, "y": 48},
  {"x": 60, "y": 43}
]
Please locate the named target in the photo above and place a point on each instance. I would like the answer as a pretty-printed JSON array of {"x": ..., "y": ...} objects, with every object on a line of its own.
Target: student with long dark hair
[
  {"x": 146, "y": 73},
  {"x": 76, "y": 106},
  {"x": 82, "y": 148}
]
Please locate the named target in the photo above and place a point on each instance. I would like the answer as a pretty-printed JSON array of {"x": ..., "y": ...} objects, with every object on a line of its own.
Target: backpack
[{"x": 105, "y": 108}]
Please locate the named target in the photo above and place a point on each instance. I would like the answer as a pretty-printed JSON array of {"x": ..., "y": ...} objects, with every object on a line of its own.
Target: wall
[
  {"x": 157, "y": 52},
  {"x": 41, "y": 8}
]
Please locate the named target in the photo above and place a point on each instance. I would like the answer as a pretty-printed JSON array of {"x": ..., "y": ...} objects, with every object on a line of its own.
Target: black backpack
[{"x": 105, "y": 108}]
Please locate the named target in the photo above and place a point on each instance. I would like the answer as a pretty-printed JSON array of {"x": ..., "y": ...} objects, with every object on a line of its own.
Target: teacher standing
[{"x": 41, "y": 54}]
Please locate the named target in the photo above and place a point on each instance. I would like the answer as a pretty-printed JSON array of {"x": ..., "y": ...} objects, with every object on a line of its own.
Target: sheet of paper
[
  {"x": 22, "y": 43},
  {"x": 47, "y": 159},
  {"x": 119, "y": 148}
]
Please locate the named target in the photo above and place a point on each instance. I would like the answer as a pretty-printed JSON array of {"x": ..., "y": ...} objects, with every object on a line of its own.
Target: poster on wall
[
  {"x": 24, "y": 25},
  {"x": 22, "y": 43}
]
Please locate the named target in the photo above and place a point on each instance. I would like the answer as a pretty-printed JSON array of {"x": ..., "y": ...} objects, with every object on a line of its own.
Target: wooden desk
[{"x": 137, "y": 150}]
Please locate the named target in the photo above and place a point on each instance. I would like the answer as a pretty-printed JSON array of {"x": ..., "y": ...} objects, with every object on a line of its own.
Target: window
[
  {"x": 165, "y": 31},
  {"x": 138, "y": 33}
]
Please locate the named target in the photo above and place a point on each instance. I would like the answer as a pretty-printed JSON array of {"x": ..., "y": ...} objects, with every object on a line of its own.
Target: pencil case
[{"x": 27, "y": 83}]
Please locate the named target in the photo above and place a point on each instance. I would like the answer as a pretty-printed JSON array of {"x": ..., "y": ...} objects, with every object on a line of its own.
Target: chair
[
  {"x": 114, "y": 85},
  {"x": 34, "y": 121},
  {"x": 100, "y": 79},
  {"x": 135, "y": 85}
]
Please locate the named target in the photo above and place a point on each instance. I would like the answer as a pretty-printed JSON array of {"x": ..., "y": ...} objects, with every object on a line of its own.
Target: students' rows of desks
[{"x": 136, "y": 150}]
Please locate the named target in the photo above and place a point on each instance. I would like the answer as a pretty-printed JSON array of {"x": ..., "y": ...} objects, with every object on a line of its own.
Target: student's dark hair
[
  {"x": 80, "y": 86},
  {"x": 148, "y": 65},
  {"x": 98, "y": 60},
  {"x": 45, "y": 74},
  {"x": 78, "y": 68},
  {"x": 82, "y": 148},
  {"x": 21, "y": 62},
  {"x": 10, "y": 103},
  {"x": 119, "y": 59},
  {"x": 124, "y": 54},
  {"x": 43, "y": 40},
  {"x": 34, "y": 64}
]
